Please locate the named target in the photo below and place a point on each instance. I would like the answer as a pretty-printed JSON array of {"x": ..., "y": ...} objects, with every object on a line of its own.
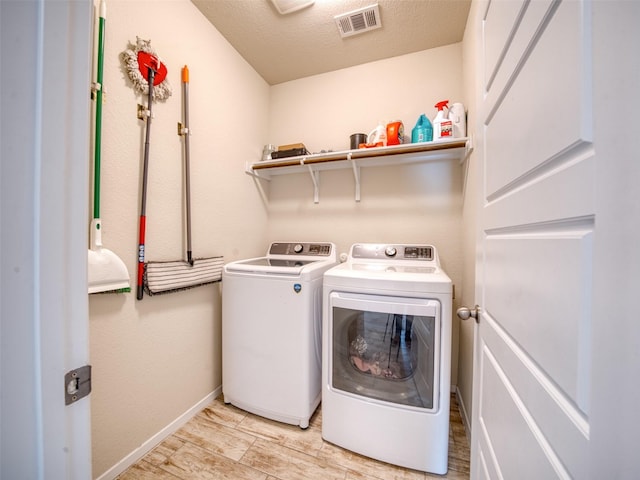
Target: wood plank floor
[{"x": 224, "y": 442}]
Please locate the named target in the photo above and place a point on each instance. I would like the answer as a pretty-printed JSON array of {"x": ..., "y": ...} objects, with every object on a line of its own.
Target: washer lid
[
  {"x": 270, "y": 265},
  {"x": 289, "y": 259}
]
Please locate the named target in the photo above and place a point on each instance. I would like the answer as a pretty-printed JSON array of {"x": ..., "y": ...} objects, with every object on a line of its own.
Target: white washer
[
  {"x": 272, "y": 330},
  {"x": 387, "y": 355}
]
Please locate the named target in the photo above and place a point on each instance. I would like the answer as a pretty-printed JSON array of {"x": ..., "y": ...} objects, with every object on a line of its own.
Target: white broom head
[{"x": 107, "y": 272}]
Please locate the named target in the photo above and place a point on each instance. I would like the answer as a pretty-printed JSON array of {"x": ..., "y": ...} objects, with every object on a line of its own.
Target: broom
[
  {"x": 167, "y": 277},
  {"x": 106, "y": 271}
]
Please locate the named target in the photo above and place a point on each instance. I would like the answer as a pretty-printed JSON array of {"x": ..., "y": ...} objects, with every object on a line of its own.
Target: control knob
[
  {"x": 297, "y": 248},
  {"x": 390, "y": 251}
]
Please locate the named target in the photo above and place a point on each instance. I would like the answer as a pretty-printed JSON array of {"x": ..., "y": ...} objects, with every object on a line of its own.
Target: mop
[
  {"x": 167, "y": 277},
  {"x": 135, "y": 58},
  {"x": 148, "y": 76},
  {"x": 151, "y": 67},
  {"x": 106, "y": 271}
]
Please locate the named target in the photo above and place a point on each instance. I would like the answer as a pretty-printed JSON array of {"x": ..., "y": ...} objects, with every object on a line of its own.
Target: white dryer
[
  {"x": 272, "y": 330},
  {"x": 387, "y": 355}
]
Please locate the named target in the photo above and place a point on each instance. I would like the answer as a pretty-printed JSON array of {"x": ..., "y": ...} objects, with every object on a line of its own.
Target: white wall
[
  {"x": 416, "y": 203},
  {"x": 471, "y": 204},
  {"x": 154, "y": 359}
]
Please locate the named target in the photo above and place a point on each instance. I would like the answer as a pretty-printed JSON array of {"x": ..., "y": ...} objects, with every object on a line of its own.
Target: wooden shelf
[{"x": 454, "y": 149}]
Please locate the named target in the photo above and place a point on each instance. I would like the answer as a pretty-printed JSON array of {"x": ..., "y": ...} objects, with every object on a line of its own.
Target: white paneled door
[
  {"x": 536, "y": 345},
  {"x": 46, "y": 81}
]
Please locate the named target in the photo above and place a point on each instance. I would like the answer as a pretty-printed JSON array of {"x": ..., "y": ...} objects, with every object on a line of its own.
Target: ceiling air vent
[{"x": 358, "y": 21}]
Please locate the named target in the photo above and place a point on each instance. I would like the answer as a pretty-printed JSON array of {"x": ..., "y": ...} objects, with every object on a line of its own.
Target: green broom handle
[{"x": 99, "y": 89}]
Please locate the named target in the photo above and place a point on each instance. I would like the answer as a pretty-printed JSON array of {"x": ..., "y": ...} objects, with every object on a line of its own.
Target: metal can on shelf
[{"x": 267, "y": 151}]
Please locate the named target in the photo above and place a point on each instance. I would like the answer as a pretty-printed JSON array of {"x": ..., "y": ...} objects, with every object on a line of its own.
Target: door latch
[{"x": 77, "y": 384}]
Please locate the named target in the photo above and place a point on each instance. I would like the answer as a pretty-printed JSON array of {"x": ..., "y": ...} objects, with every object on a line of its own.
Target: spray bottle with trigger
[{"x": 442, "y": 125}]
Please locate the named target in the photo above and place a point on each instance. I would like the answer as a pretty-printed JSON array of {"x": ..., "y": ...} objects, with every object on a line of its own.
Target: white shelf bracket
[
  {"x": 356, "y": 175},
  {"x": 315, "y": 178},
  {"x": 468, "y": 150},
  {"x": 249, "y": 171}
]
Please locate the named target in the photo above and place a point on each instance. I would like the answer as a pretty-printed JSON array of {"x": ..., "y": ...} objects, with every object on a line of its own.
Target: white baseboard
[
  {"x": 147, "y": 446},
  {"x": 466, "y": 421}
]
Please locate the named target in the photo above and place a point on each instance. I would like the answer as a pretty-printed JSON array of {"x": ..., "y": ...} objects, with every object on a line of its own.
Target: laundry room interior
[
  {"x": 156, "y": 361},
  {"x": 160, "y": 358}
]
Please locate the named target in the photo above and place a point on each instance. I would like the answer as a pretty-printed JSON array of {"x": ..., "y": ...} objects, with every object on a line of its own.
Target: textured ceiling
[{"x": 307, "y": 42}]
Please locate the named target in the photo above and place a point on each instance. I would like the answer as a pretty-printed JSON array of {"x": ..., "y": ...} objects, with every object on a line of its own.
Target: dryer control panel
[
  {"x": 393, "y": 252},
  {"x": 301, "y": 248},
  {"x": 419, "y": 253}
]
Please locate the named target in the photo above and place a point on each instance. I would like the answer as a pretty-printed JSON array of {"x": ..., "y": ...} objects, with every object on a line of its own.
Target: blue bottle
[{"x": 423, "y": 131}]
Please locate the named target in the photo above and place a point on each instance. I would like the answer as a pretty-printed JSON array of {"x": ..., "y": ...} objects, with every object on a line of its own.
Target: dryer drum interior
[{"x": 386, "y": 356}]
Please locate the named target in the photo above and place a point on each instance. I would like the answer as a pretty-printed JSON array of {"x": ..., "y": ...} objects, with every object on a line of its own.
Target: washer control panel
[
  {"x": 301, "y": 248},
  {"x": 393, "y": 252}
]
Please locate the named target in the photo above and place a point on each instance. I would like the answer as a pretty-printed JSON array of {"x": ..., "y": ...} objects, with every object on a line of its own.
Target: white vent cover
[{"x": 358, "y": 21}]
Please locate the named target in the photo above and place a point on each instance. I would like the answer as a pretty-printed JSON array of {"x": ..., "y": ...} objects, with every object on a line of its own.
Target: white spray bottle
[
  {"x": 458, "y": 119},
  {"x": 442, "y": 125}
]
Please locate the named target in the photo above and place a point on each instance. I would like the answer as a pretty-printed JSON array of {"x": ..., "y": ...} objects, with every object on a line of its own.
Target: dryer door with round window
[{"x": 385, "y": 348}]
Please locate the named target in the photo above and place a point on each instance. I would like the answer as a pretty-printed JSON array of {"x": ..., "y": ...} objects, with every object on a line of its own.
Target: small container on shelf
[{"x": 267, "y": 151}]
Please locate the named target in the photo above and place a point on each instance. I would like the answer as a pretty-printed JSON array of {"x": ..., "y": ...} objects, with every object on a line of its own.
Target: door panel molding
[
  {"x": 564, "y": 426},
  {"x": 559, "y": 197},
  {"x": 530, "y": 455},
  {"x": 546, "y": 107},
  {"x": 501, "y": 26}
]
